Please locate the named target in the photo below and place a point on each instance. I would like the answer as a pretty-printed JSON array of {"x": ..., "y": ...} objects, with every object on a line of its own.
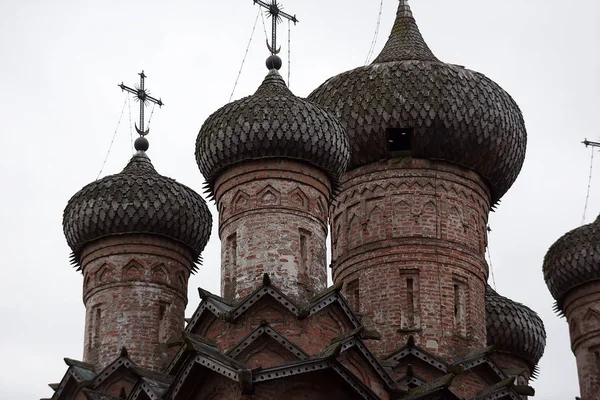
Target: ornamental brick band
[
  {"x": 135, "y": 293},
  {"x": 408, "y": 240},
  {"x": 273, "y": 219},
  {"x": 582, "y": 310}
]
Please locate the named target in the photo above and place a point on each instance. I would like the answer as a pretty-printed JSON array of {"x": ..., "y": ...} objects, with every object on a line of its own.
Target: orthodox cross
[
  {"x": 276, "y": 12},
  {"x": 143, "y": 96},
  {"x": 588, "y": 143}
]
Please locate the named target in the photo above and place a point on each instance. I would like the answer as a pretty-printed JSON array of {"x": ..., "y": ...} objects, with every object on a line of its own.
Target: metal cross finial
[
  {"x": 276, "y": 12},
  {"x": 143, "y": 96},
  {"x": 588, "y": 143}
]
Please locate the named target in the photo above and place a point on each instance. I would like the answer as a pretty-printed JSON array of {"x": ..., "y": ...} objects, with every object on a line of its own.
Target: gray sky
[{"x": 60, "y": 65}]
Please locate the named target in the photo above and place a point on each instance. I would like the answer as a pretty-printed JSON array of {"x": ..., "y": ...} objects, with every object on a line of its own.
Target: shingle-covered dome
[
  {"x": 514, "y": 328},
  {"x": 137, "y": 200},
  {"x": 573, "y": 261},
  {"x": 272, "y": 123},
  {"x": 452, "y": 113}
]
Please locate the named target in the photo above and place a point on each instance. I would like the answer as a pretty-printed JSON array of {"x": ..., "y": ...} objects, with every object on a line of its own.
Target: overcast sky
[{"x": 61, "y": 61}]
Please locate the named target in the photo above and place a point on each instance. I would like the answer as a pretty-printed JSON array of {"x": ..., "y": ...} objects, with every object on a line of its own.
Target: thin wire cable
[
  {"x": 130, "y": 122},
  {"x": 289, "y": 50},
  {"x": 491, "y": 265},
  {"x": 246, "y": 54},
  {"x": 375, "y": 36},
  {"x": 113, "y": 139},
  {"x": 151, "y": 114},
  {"x": 264, "y": 25},
  {"x": 587, "y": 197}
]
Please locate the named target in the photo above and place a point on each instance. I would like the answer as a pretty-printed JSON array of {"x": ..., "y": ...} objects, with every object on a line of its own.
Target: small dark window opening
[
  {"x": 411, "y": 302},
  {"x": 399, "y": 140},
  {"x": 304, "y": 254},
  {"x": 457, "y": 301}
]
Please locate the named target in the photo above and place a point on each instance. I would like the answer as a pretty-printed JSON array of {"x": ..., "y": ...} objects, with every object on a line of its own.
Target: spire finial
[
  {"x": 143, "y": 96},
  {"x": 405, "y": 41},
  {"x": 275, "y": 11}
]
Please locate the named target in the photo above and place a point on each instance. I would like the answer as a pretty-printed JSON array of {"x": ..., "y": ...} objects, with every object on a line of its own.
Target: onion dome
[
  {"x": 572, "y": 261},
  {"x": 272, "y": 123},
  {"x": 137, "y": 200},
  {"x": 408, "y": 100},
  {"x": 514, "y": 328}
]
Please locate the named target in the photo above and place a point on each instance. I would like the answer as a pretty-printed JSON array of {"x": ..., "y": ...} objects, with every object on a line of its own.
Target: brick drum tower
[
  {"x": 572, "y": 273},
  {"x": 136, "y": 237},
  {"x": 434, "y": 146},
  {"x": 272, "y": 160}
]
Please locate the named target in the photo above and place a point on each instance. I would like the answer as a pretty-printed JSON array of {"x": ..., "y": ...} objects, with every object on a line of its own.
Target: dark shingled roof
[
  {"x": 573, "y": 261},
  {"x": 272, "y": 123},
  {"x": 456, "y": 114},
  {"x": 137, "y": 200},
  {"x": 514, "y": 328}
]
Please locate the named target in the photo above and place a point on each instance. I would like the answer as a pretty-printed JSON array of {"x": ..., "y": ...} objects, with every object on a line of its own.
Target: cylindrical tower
[
  {"x": 136, "y": 236},
  {"x": 272, "y": 160},
  {"x": 433, "y": 147},
  {"x": 572, "y": 273}
]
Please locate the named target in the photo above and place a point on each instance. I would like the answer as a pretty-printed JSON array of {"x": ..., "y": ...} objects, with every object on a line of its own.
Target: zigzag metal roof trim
[
  {"x": 70, "y": 375},
  {"x": 353, "y": 340},
  {"x": 482, "y": 358},
  {"x": 272, "y": 333},
  {"x": 122, "y": 361},
  {"x": 313, "y": 365},
  {"x": 220, "y": 308},
  {"x": 414, "y": 350},
  {"x": 152, "y": 388},
  {"x": 213, "y": 360}
]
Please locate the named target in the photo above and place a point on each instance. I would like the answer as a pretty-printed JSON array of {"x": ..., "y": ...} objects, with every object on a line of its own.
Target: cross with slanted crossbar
[
  {"x": 276, "y": 12},
  {"x": 143, "y": 96},
  {"x": 588, "y": 143}
]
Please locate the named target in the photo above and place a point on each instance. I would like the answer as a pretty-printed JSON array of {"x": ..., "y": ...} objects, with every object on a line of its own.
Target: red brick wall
[
  {"x": 411, "y": 235},
  {"x": 582, "y": 308},
  {"x": 273, "y": 218},
  {"x": 135, "y": 293}
]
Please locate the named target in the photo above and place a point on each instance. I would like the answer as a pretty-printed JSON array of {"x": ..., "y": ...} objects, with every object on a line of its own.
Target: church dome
[
  {"x": 446, "y": 111},
  {"x": 514, "y": 328},
  {"x": 573, "y": 261},
  {"x": 272, "y": 123},
  {"x": 137, "y": 200}
]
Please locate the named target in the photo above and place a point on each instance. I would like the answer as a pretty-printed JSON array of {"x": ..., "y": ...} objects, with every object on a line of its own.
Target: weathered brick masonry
[
  {"x": 273, "y": 219},
  {"x": 583, "y": 314},
  {"x": 408, "y": 242},
  {"x": 135, "y": 293}
]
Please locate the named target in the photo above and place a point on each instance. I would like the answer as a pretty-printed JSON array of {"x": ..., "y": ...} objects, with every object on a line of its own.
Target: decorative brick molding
[
  {"x": 582, "y": 309},
  {"x": 273, "y": 219},
  {"x": 135, "y": 294},
  {"x": 412, "y": 234}
]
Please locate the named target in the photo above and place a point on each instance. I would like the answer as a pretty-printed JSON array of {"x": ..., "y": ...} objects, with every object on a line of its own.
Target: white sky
[{"x": 60, "y": 65}]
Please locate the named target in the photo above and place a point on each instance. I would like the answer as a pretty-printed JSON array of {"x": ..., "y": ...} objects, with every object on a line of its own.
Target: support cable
[
  {"x": 151, "y": 114},
  {"x": 246, "y": 53},
  {"x": 289, "y": 50},
  {"x": 113, "y": 139},
  {"x": 375, "y": 36},
  {"x": 130, "y": 122},
  {"x": 587, "y": 197},
  {"x": 264, "y": 26}
]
